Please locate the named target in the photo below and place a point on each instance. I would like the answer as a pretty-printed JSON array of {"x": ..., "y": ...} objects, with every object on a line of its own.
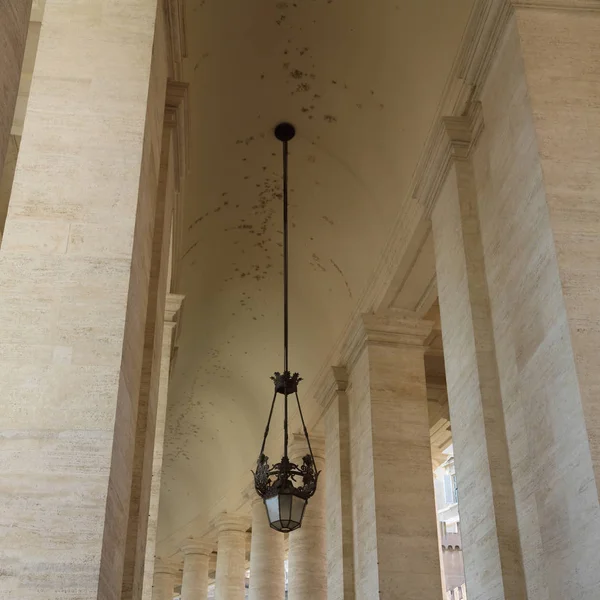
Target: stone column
[
  {"x": 195, "y": 570},
  {"x": 170, "y": 330},
  {"x": 307, "y": 557},
  {"x": 74, "y": 273},
  {"x": 146, "y": 418},
  {"x": 562, "y": 46},
  {"x": 164, "y": 581},
  {"x": 231, "y": 558},
  {"x": 489, "y": 528},
  {"x": 537, "y": 178},
  {"x": 146, "y": 426},
  {"x": 338, "y": 501},
  {"x": 14, "y": 23},
  {"x": 267, "y": 569},
  {"x": 396, "y": 549}
]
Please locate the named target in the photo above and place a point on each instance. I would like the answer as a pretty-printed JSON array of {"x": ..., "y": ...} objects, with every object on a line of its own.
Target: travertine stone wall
[
  {"x": 340, "y": 545},
  {"x": 307, "y": 557},
  {"x": 561, "y": 54},
  {"x": 395, "y": 534},
  {"x": 267, "y": 569},
  {"x": 230, "y": 578},
  {"x": 14, "y": 23},
  {"x": 489, "y": 528},
  {"x": 550, "y": 453},
  {"x": 195, "y": 570},
  {"x": 74, "y": 272}
]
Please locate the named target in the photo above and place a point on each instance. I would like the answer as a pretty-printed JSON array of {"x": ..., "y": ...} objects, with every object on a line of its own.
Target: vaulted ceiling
[{"x": 361, "y": 81}]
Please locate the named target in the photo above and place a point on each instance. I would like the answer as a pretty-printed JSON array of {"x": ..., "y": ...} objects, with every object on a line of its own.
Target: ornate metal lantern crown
[{"x": 285, "y": 487}]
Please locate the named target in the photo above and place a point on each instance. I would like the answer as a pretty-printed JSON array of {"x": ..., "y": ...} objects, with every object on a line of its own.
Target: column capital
[
  {"x": 232, "y": 522},
  {"x": 203, "y": 547},
  {"x": 389, "y": 328},
  {"x": 173, "y": 306},
  {"x": 463, "y": 132},
  {"x": 333, "y": 382},
  {"x": 165, "y": 567},
  {"x": 298, "y": 446}
]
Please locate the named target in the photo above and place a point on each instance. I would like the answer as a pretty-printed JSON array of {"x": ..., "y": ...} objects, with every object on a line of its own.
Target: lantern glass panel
[
  {"x": 285, "y": 509},
  {"x": 298, "y": 506},
  {"x": 272, "y": 506}
]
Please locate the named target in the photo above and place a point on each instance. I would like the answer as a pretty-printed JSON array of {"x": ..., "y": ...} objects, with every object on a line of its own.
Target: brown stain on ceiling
[{"x": 361, "y": 81}]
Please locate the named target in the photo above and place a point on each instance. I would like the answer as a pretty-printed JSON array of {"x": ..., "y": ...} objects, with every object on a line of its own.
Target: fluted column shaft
[
  {"x": 307, "y": 559},
  {"x": 267, "y": 573},
  {"x": 231, "y": 559}
]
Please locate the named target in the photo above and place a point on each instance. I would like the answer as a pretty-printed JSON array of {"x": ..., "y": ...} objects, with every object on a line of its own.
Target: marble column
[
  {"x": 164, "y": 581},
  {"x": 395, "y": 532},
  {"x": 267, "y": 569},
  {"x": 74, "y": 273},
  {"x": 307, "y": 557},
  {"x": 489, "y": 527},
  {"x": 340, "y": 545},
  {"x": 536, "y": 170},
  {"x": 172, "y": 315},
  {"x": 195, "y": 570},
  {"x": 14, "y": 23},
  {"x": 230, "y": 580}
]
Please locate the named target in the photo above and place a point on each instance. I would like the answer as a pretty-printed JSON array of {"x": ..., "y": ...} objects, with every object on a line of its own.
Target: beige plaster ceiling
[{"x": 361, "y": 81}]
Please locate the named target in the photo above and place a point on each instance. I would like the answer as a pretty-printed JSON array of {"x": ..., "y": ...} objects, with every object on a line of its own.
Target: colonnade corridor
[{"x": 411, "y": 258}]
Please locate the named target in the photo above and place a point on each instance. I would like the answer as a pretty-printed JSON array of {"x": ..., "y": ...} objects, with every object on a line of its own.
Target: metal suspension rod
[
  {"x": 262, "y": 448},
  {"x": 285, "y": 291},
  {"x": 285, "y": 256}
]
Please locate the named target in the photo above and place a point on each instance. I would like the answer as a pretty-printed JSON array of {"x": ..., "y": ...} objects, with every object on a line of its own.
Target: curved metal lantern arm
[{"x": 269, "y": 481}]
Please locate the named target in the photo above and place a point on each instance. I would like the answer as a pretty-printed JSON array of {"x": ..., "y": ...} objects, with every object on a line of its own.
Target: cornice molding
[
  {"x": 177, "y": 118},
  {"x": 176, "y": 35},
  {"x": 574, "y": 5}
]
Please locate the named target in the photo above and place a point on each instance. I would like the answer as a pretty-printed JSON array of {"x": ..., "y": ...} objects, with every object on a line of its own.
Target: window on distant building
[{"x": 450, "y": 489}]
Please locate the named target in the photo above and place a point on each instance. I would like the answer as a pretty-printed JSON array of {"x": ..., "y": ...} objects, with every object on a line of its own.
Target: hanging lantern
[{"x": 285, "y": 487}]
